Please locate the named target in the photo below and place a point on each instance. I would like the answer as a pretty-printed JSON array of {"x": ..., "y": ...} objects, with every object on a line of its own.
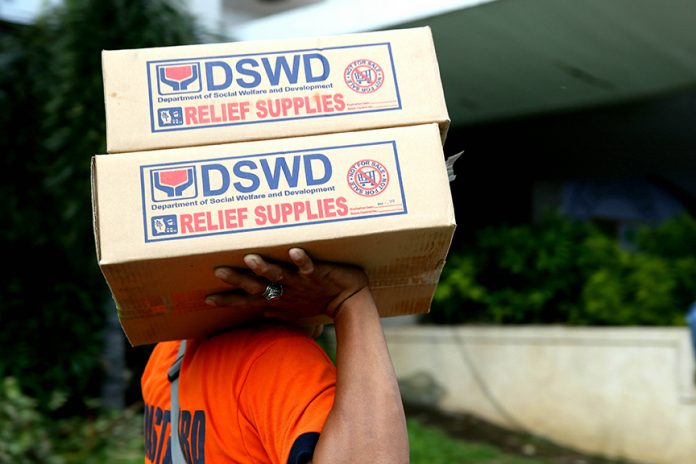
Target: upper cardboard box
[{"x": 230, "y": 92}]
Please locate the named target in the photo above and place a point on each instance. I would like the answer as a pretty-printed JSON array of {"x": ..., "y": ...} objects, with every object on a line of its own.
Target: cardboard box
[
  {"x": 164, "y": 220},
  {"x": 219, "y": 93}
]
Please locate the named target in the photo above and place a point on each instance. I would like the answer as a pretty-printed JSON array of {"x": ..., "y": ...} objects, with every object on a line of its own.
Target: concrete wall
[{"x": 618, "y": 392}]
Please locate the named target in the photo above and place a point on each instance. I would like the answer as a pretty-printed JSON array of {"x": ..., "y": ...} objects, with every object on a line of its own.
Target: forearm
[{"x": 367, "y": 420}]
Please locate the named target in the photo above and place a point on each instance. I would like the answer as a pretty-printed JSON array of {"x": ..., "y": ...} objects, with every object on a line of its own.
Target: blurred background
[{"x": 560, "y": 323}]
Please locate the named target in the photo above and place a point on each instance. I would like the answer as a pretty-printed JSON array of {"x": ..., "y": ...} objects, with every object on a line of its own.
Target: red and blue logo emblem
[
  {"x": 173, "y": 183},
  {"x": 177, "y": 78}
]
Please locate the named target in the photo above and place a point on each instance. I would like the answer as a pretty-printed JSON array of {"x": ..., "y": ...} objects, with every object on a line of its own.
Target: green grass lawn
[{"x": 432, "y": 446}]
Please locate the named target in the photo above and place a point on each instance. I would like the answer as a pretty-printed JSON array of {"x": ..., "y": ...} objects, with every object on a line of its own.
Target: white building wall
[{"x": 624, "y": 393}]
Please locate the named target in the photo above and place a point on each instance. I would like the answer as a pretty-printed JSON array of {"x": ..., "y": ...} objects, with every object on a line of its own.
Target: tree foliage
[{"x": 52, "y": 117}]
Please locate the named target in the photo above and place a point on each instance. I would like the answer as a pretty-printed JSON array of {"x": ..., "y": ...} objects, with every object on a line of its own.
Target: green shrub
[
  {"x": 560, "y": 271},
  {"x": 29, "y": 434},
  {"x": 23, "y": 434},
  {"x": 675, "y": 241}
]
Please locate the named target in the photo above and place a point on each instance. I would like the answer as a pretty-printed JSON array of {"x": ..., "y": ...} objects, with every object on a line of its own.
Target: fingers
[
  {"x": 240, "y": 280},
  {"x": 248, "y": 287},
  {"x": 302, "y": 260},
  {"x": 262, "y": 268}
]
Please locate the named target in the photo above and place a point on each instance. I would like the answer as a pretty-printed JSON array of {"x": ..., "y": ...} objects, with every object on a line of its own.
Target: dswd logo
[
  {"x": 173, "y": 183},
  {"x": 178, "y": 78}
]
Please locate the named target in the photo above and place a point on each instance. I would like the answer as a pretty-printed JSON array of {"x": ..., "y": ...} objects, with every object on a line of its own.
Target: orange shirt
[{"x": 246, "y": 396}]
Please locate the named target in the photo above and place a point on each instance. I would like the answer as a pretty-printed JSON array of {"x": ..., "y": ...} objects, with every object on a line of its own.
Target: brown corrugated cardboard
[
  {"x": 219, "y": 93},
  {"x": 165, "y": 219}
]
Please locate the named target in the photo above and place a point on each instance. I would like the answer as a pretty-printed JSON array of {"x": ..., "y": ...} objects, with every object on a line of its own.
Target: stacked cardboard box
[{"x": 333, "y": 144}]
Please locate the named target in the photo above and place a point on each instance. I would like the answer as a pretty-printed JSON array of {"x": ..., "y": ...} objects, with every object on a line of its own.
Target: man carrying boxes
[{"x": 235, "y": 164}]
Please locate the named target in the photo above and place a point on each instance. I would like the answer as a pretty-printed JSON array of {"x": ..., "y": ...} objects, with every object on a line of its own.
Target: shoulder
[
  {"x": 154, "y": 381},
  {"x": 163, "y": 354}
]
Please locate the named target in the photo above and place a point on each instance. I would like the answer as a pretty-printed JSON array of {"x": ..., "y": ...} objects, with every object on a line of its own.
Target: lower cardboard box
[{"x": 164, "y": 219}]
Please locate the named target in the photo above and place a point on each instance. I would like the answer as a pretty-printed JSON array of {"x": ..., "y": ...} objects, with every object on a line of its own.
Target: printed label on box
[
  {"x": 242, "y": 193},
  {"x": 194, "y": 93}
]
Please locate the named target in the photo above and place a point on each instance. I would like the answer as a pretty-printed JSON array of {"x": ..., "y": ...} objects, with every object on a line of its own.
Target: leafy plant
[
  {"x": 23, "y": 435},
  {"x": 29, "y": 434},
  {"x": 675, "y": 241},
  {"x": 560, "y": 271}
]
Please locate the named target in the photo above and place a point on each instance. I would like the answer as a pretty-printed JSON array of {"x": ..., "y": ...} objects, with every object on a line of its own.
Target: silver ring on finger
[{"x": 273, "y": 292}]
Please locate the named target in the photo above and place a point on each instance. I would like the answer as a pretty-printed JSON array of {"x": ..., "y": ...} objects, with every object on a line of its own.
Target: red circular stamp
[
  {"x": 368, "y": 177},
  {"x": 364, "y": 76}
]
